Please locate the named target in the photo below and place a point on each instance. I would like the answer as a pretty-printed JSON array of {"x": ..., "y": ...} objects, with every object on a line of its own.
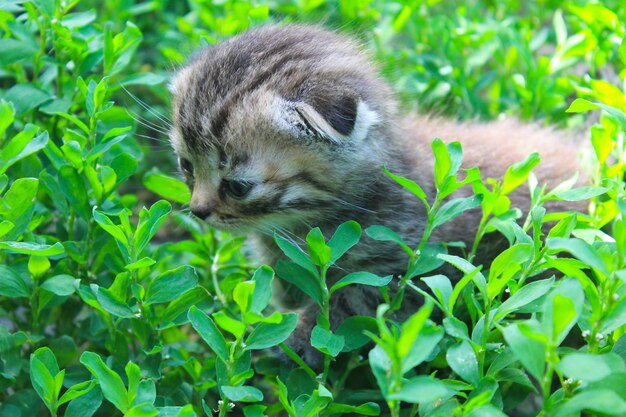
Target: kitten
[{"x": 287, "y": 127}]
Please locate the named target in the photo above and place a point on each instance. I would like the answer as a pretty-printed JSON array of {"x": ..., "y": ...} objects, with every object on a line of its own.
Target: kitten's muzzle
[{"x": 202, "y": 212}]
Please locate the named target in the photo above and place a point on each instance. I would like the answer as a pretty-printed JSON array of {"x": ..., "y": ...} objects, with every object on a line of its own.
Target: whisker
[
  {"x": 151, "y": 138},
  {"x": 147, "y": 124},
  {"x": 159, "y": 116},
  {"x": 344, "y": 202}
]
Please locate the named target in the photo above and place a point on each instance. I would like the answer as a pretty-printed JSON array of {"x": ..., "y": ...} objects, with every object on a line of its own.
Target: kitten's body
[{"x": 301, "y": 114}]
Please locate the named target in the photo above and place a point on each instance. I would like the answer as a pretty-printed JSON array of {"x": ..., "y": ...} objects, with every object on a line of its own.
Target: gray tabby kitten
[{"x": 287, "y": 127}]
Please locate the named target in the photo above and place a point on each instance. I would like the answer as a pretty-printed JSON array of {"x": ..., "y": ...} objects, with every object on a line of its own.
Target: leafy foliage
[{"x": 115, "y": 303}]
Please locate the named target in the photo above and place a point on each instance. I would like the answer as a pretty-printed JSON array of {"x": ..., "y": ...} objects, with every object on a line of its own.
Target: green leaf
[
  {"x": 318, "y": 249},
  {"x": 423, "y": 347},
  {"x": 560, "y": 315},
  {"x": 580, "y": 249},
  {"x": 22, "y": 145},
  {"x": 529, "y": 351},
  {"x": 589, "y": 367},
  {"x": 441, "y": 286},
  {"x": 524, "y": 296},
  {"x": 454, "y": 208},
  {"x": 385, "y": 234},
  {"x": 581, "y": 193},
  {"x": 114, "y": 230},
  {"x": 26, "y": 97},
  {"x": 73, "y": 187},
  {"x": 304, "y": 280},
  {"x": 111, "y": 303},
  {"x": 456, "y": 328},
  {"x": 486, "y": 411},
  {"x": 615, "y": 318},
  {"x": 124, "y": 165},
  {"x": 142, "y": 263},
  {"x": 11, "y": 284},
  {"x": 367, "y": 409},
  {"x": 144, "y": 78},
  {"x": 581, "y": 105},
  {"x": 142, "y": 410},
  {"x": 209, "y": 332},
  {"x": 13, "y": 51},
  {"x": 110, "y": 382},
  {"x": 242, "y": 393},
  {"x": 518, "y": 173},
  {"x": 363, "y": 278},
  {"x": 242, "y": 295},
  {"x": 352, "y": 330},
  {"x": 146, "y": 392},
  {"x": 134, "y": 378},
  {"x": 254, "y": 411},
  {"x": 30, "y": 248},
  {"x": 61, "y": 285},
  {"x": 107, "y": 143},
  {"x": 411, "y": 329},
  {"x": 603, "y": 401},
  {"x": 5, "y": 227},
  {"x": 422, "y": 389},
  {"x": 381, "y": 367},
  {"x": 443, "y": 163},
  {"x": 43, "y": 374},
  {"x": 38, "y": 265},
  {"x": 85, "y": 405},
  {"x": 295, "y": 253},
  {"x": 346, "y": 236},
  {"x": 176, "y": 311},
  {"x": 326, "y": 342},
  {"x": 149, "y": 223},
  {"x": 428, "y": 260},
  {"x": 229, "y": 324},
  {"x": 47, "y": 7},
  {"x": 462, "y": 359},
  {"x": 7, "y": 116},
  {"x": 167, "y": 187},
  {"x": 262, "y": 294},
  {"x": 506, "y": 265},
  {"x": 270, "y": 334},
  {"x": 410, "y": 185},
  {"x": 171, "y": 285},
  {"x": 77, "y": 391},
  {"x": 43, "y": 382}
]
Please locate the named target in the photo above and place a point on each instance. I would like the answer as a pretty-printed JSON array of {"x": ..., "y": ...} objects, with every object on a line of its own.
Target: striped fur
[{"x": 301, "y": 114}]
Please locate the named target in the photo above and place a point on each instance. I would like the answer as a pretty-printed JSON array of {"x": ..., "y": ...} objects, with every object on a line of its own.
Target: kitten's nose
[
  {"x": 201, "y": 203},
  {"x": 202, "y": 211}
]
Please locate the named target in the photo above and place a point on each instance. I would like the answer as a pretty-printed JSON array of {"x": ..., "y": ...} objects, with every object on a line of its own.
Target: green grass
[{"x": 110, "y": 308}]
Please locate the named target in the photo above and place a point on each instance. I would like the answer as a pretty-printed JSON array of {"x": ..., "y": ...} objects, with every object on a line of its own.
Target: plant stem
[
  {"x": 326, "y": 315},
  {"x": 297, "y": 359},
  {"x": 479, "y": 236}
]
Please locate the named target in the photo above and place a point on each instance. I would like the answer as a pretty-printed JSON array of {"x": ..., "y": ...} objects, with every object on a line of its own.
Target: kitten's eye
[
  {"x": 186, "y": 166},
  {"x": 238, "y": 189}
]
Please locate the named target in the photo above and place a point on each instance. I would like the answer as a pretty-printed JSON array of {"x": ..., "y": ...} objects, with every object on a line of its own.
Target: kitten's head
[{"x": 277, "y": 126}]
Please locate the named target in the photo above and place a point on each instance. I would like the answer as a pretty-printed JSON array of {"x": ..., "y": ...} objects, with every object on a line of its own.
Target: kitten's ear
[{"x": 338, "y": 119}]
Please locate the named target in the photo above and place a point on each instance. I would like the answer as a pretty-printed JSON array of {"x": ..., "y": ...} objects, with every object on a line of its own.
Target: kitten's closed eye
[
  {"x": 237, "y": 189},
  {"x": 186, "y": 166}
]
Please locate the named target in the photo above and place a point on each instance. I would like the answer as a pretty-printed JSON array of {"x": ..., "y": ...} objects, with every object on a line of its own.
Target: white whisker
[
  {"x": 159, "y": 116},
  {"x": 147, "y": 124}
]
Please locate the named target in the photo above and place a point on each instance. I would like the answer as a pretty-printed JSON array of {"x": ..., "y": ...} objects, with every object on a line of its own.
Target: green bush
[{"x": 111, "y": 308}]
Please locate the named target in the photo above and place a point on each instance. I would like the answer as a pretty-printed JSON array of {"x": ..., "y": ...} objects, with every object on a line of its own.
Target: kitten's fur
[{"x": 301, "y": 114}]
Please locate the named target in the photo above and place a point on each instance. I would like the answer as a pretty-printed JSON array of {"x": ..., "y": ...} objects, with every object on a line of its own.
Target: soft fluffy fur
[{"x": 301, "y": 114}]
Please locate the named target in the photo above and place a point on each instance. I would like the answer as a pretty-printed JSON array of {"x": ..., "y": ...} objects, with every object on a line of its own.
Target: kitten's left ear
[{"x": 336, "y": 118}]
